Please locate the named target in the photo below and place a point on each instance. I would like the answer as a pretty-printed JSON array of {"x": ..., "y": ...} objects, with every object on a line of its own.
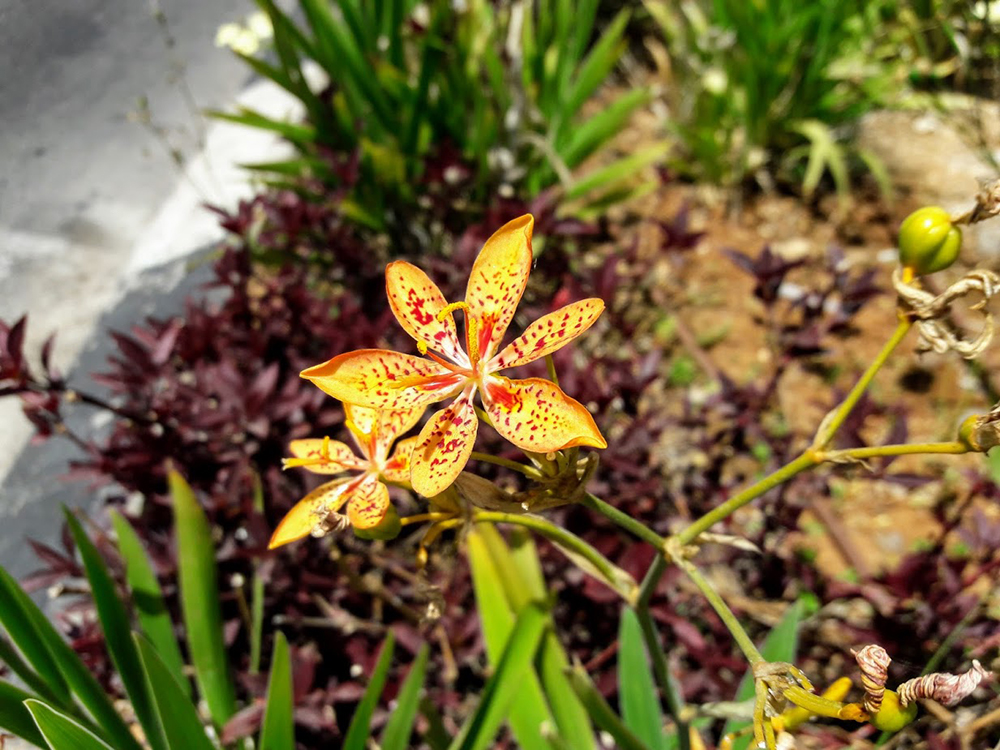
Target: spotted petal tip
[
  {"x": 416, "y": 301},
  {"x": 535, "y": 415},
  {"x": 381, "y": 379},
  {"x": 310, "y": 511},
  {"x": 497, "y": 281},
  {"x": 551, "y": 333}
]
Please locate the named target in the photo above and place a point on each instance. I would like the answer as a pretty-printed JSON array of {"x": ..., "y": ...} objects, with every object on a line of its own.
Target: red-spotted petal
[
  {"x": 497, "y": 281},
  {"x": 551, "y": 332},
  {"x": 367, "y": 503},
  {"x": 397, "y": 468},
  {"x": 415, "y": 301},
  {"x": 444, "y": 446},
  {"x": 375, "y": 430},
  {"x": 535, "y": 415},
  {"x": 381, "y": 379},
  {"x": 312, "y": 510},
  {"x": 322, "y": 456}
]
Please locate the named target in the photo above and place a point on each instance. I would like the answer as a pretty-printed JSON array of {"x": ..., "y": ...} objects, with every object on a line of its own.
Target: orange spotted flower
[
  {"x": 365, "y": 494},
  {"x": 533, "y": 413}
]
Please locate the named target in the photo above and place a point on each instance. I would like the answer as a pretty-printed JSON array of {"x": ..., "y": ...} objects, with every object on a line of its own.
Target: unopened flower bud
[
  {"x": 928, "y": 241},
  {"x": 388, "y": 528}
]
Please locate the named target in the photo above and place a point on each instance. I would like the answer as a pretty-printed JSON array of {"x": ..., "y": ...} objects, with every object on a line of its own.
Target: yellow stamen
[
  {"x": 324, "y": 457},
  {"x": 422, "y": 347},
  {"x": 471, "y": 327}
]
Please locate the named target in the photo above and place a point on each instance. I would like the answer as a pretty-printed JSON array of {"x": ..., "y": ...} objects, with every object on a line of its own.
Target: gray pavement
[
  {"x": 96, "y": 220},
  {"x": 89, "y": 197}
]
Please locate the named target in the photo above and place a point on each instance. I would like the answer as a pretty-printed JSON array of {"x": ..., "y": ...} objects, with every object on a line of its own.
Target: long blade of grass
[
  {"x": 601, "y": 713},
  {"x": 14, "y": 715},
  {"x": 492, "y": 577},
  {"x": 396, "y": 735},
  {"x": 593, "y": 133},
  {"x": 176, "y": 714},
  {"x": 781, "y": 644},
  {"x": 360, "y": 729},
  {"x": 200, "y": 606},
  {"x": 619, "y": 170},
  {"x": 278, "y": 729},
  {"x": 507, "y": 681},
  {"x": 298, "y": 134},
  {"x": 596, "y": 67},
  {"x": 637, "y": 694},
  {"x": 569, "y": 714},
  {"x": 257, "y": 590},
  {"x": 62, "y": 732},
  {"x": 17, "y": 607},
  {"x": 16, "y": 664},
  {"x": 154, "y": 618},
  {"x": 17, "y": 621},
  {"x": 117, "y": 629}
]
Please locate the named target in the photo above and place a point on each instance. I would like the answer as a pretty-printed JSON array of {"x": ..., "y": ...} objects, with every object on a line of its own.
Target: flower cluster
[{"x": 393, "y": 389}]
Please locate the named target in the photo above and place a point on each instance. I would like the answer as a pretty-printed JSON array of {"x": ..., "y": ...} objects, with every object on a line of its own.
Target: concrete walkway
[
  {"x": 96, "y": 221},
  {"x": 90, "y": 198}
]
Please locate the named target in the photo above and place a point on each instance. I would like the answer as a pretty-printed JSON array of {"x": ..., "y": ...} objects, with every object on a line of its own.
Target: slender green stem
[
  {"x": 836, "y": 418},
  {"x": 529, "y": 471},
  {"x": 661, "y": 667},
  {"x": 877, "y": 451},
  {"x": 550, "y": 365},
  {"x": 806, "y": 461},
  {"x": 624, "y": 520},
  {"x": 725, "y": 613},
  {"x": 566, "y": 539}
]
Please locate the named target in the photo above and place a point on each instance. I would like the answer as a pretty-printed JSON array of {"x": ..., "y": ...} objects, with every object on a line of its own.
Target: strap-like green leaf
[
  {"x": 15, "y": 717},
  {"x": 16, "y": 606},
  {"x": 514, "y": 664},
  {"x": 492, "y": 567},
  {"x": 398, "y": 729},
  {"x": 601, "y": 713},
  {"x": 176, "y": 715},
  {"x": 278, "y": 729},
  {"x": 147, "y": 596},
  {"x": 637, "y": 694},
  {"x": 62, "y": 732},
  {"x": 360, "y": 729},
  {"x": 199, "y": 593},
  {"x": 116, "y": 626},
  {"x": 17, "y": 621}
]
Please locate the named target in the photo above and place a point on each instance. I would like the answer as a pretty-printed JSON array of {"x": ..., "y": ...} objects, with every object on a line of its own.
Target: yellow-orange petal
[
  {"x": 550, "y": 332},
  {"x": 497, "y": 281},
  {"x": 415, "y": 301},
  {"x": 535, "y": 415},
  {"x": 381, "y": 379},
  {"x": 367, "y": 503},
  {"x": 397, "y": 468},
  {"x": 311, "y": 510},
  {"x": 444, "y": 446},
  {"x": 375, "y": 430},
  {"x": 309, "y": 454}
]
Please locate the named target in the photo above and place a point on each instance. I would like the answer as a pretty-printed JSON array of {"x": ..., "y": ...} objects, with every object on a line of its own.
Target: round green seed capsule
[
  {"x": 892, "y": 717},
  {"x": 928, "y": 241},
  {"x": 388, "y": 528}
]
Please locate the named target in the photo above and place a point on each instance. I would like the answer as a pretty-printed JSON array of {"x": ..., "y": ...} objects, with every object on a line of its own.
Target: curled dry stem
[{"x": 931, "y": 312}]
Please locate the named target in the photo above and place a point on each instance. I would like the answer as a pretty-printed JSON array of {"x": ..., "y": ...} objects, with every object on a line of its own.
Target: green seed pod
[
  {"x": 928, "y": 241},
  {"x": 891, "y": 716},
  {"x": 388, "y": 528}
]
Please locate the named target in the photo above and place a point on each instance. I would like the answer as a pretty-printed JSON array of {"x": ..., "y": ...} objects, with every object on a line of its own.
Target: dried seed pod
[
  {"x": 874, "y": 663},
  {"x": 943, "y": 687}
]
